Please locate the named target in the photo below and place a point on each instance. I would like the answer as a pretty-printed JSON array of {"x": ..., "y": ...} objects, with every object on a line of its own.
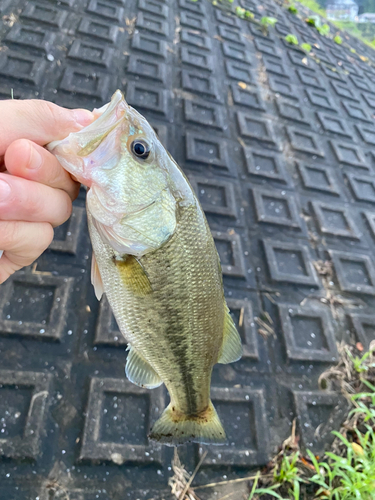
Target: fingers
[
  {"x": 39, "y": 121},
  {"x": 26, "y": 159},
  {"x": 25, "y": 200},
  {"x": 22, "y": 243}
]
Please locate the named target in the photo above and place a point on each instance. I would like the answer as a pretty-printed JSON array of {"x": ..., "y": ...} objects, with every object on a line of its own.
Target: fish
[{"x": 155, "y": 259}]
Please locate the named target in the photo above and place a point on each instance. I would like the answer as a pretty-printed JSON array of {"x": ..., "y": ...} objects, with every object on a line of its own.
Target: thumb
[{"x": 39, "y": 121}]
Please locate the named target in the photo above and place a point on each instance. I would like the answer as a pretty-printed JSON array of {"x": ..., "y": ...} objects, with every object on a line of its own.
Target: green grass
[
  {"x": 360, "y": 31},
  {"x": 346, "y": 474}
]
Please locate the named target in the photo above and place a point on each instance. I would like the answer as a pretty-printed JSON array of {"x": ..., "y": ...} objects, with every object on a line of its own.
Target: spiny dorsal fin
[
  {"x": 231, "y": 350},
  {"x": 139, "y": 371},
  {"x": 133, "y": 275},
  {"x": 96, "y": 279}
]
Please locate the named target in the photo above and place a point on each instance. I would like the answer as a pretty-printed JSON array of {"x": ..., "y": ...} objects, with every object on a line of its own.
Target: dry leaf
[
  {"x": 359, "y": 346},
  {"x": 242, "y": 85},
  {"x": 357, "y": 448},
  {"x": 304, "y": 60}
]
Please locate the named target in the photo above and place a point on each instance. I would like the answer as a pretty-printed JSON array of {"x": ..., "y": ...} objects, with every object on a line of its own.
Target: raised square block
[
  {"x": 321, "y": 99},
  {"x": 319, "y": 178},
  {"x": 243, "y": 414},
  {"x": 293, "y": 111},
  {"x": 216, "y": 197},
  {"x": 343, "y": 90},
  {"x": 357, "y": 112},
  {"x": 239, "y": 71},
  {"x": 255, "y": 128},
  {"x": 335, "y": 221},
  {"x": 85, "y": 82},
  {"x": 97, "y": 29},
  {"x": 308, "y": 333},
  {"x": 196, "y": 39},
  {"x": 67, "y": 235},
  {"x": 154, "y": 7},
  {"x": 349, "y": 154},
  {"x": 230, "y": 34},
  {"x": 112, "y": 431},
  {"x": 367, "y": 134},
  {"x": 283, "y": 87},
  {"x": 23, "y": 402},
  {"x": 204, "y": 113},
  {"x": 275, "y": 65},
  {"x": 230, "y": 252},
  {"x": 199, "y": 83},
  {"x": 147, "y": 97},
  {"x": 29, "y": 37},
  {"x": 355, "y": 272},
  {"x": 146, "y": 67},
  {"x": 317, "y": 413},
  {"x": 235, "y": 51},
  {"x": 334, "y": 124},
  {"x": 305, "y": 142},
  {"x": 44, "y": 14},
  {"x": 290, "y": 263},
  {"x": 310, "y": 78},
  {"x": 91, "y": 53},
  {"x": 249, "y": 97},
  {"x": 196, "y": 58},
  {"x": 151, "y": 23},
  {"x": 106, "y": 10},
  {"x": 226, "y": 18},
  {"x": 22, "y": 68},
  {"x": 193, "y": 21},
  {"x": 44, "y": 299},
  {"x": 206, "y": 150},
  {"x": 265, "y": 164},
  {"x": 363, "y": 187},
  {"x": 276, "y": 207},
  {"x": 149, "y": 45}
]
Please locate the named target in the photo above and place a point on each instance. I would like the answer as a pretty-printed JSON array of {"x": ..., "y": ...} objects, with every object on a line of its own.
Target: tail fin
[{"x": 174, "y": 428}]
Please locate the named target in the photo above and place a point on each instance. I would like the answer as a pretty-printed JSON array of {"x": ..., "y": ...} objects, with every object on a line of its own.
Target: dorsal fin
[{"x": 231, "y": 350}]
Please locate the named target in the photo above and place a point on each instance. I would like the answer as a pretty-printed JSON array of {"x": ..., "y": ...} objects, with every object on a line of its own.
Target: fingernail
[
  {"x": 83, "y": 116},
  {"x": 4, "y": 190},
  {"x": 35, "y": 160}
]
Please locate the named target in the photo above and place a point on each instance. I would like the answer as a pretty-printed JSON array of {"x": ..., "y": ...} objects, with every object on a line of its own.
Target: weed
[
  {"x": 337, "y": 39},
  {"x": 293, "y": 9},
  {"x": 268, "y": 21},
  {"x": 291, "y": 39},
  {"x": 306, "y": 47}
]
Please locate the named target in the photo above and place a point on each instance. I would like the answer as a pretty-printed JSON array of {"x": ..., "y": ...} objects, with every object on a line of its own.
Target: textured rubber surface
[{"x": 285, "y": 173}]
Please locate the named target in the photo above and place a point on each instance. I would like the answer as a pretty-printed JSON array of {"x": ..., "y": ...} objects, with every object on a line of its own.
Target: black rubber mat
[{"x": 280, "y": 150}]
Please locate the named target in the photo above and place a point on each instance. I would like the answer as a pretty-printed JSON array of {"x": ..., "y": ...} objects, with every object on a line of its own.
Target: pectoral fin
[
  {"x": 140, "y": 372},
  {"x": 231, "y": 350},
  {"x": 133, "y": 276},
  {"x": 96, "y": 279}
]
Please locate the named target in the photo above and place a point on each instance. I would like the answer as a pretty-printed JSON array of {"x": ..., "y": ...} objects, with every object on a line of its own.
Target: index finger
[{"x": 37, "y": 120}]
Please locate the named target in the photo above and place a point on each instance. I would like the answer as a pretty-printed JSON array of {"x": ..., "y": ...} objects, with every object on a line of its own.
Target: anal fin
[
  {"x": 96, "y": 279},
  {"x": 140, "y": 372},
  {"x": 231, "y": 350}
]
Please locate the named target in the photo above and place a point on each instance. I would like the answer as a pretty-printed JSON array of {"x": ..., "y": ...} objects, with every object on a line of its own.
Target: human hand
[{"x": 36, "y": 193}]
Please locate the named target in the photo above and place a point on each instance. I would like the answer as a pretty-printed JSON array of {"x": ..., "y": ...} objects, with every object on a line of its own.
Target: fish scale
[{"x": 157, "y": 263}]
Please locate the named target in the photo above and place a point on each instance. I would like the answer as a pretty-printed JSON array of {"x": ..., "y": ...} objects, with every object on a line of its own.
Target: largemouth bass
[{"x": 155, "y": 259}]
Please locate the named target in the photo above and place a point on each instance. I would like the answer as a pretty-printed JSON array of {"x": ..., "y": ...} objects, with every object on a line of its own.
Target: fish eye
[{"x": 140, "y": 149}]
